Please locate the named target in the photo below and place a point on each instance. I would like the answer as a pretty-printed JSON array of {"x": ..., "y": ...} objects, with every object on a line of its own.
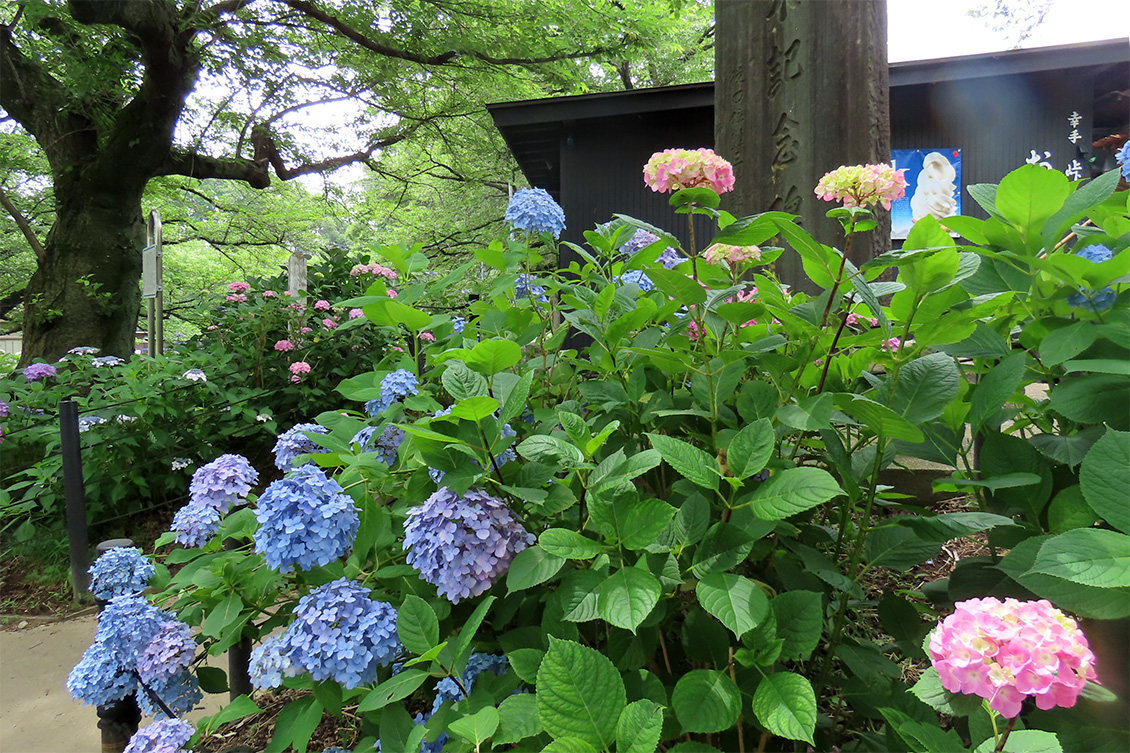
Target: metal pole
[
  {"x": 159, "y": 313},
  {"x": 239, "y": 655},
  {"x": 74, "y": 492}
]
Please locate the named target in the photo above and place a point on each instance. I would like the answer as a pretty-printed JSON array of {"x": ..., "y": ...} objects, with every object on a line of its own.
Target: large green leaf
[
  {"x": 922, "y": 736},
  {"x": 1105, "y": 478},
  {"x": 724, "y": 546},
  {"x": 395, "y": 688},
  {"x": 706, "y": 700},
  {"x": 736, "y": 601},
  {"x": 627, "y": 597},
  {"x": 809, "y": 414},
  {"x": 579, "y": 694},
  {"x": 477, "y": 727},
  {"x": 1024, "y": 740},
  {"x": 544, "y": 448},
  {"x": 800, "y": 622},
  {"x": 1094, "y": 399},
  {"x": 417, "y": 625},
  {"x": 517, "y": 718},
  {"x": 1029, "y": 195},
  {"x": 995, "y": 388},
  {"x": 462, "y": 383},
  {"x": 1091, "y": 556},
  {"x": 222, "y": 616},
  {"x": 639, "y": 727},
  {"x": 571, "y": 545},
  {"x": 694, "y": 464},
  {"x": 1067, "y": 342},
  {"x": 530, "y": 567},
  {"x": 1083, "y": 600},
  {"x": 678, "y": 286},
  {"x": 925, "y": 387},
  {"x": 878, "y": 418},
  {"x": 786, "y": 704},
  {"x": 751, "y": 448},
  {"x": 793, "y": 491}
]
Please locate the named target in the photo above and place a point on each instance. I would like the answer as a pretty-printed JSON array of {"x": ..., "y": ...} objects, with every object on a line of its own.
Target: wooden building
[{"x": 999, "y": 110}]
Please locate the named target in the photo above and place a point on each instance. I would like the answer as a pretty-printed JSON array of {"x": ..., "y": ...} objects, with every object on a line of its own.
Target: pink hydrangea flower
[
  {"x": 329, "y": 323},
  {"x": 296, "y": 378},
  {"x": 237, "y": 297},
  {"x": 391, "y": 293},
  {"x": 322, "y": 305},
  {"x": 863, "y": 185},
  {"x": 305, "y": 330},
  {"x": 239, "y": 287},
  {"x": 288, "y": 293},
  {"x": 427, "y": 337},
  {"x": 300, "y": 367},
  {"x": 356, "y": 313},
  {"x": 732, "y": 254},
  {"x": 891, "y": 345},
  {"x": 299, "y": 307},
  {"x": 212, "y": 327},
  {"x": 269, "y": 294},
  {"x": 398, "y": 349},
  {"x": 284, "y": 345},
  {"x": 675, "y": 169},
  {"x": 1007, "y": 651},
  {"x": 694, "y": 332},
  {"x": 373, "y": 269}
]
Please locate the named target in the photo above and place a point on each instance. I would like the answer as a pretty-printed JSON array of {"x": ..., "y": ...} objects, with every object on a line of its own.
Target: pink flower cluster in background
[
  {"x": 890, "y": 345},
  {"x": 239, "y": 287},
  {"x": 732, "y": 254},
  {"x": 322, "y": 305},
  {"x": 853, "y": 319},
  {"x": 676, "y": 169},
  {"x": 373, "y": 269},
  {"x": 427, "y": 337},
  {"x": 297, "y": 368},
  {"x": 1007, "y": 651},
  {"x": 356, "y": 313},
  {"x": 863, "y": 185},
  {"x": 237, "y": 297},
  {"x": 284, "y": 345}
]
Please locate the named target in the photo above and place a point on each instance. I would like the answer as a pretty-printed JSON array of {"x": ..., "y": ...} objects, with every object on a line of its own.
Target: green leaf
[
  {"x": 724, "y": 546},
  {"x": 1093, "y": 399},
  {"x": 417, "y": 625},
  {"x": 239, "y": 708},
  {"x": 478, "y": 726},
  {"x": 462, "y": 383},
  {"x": 995, "y": 388},
  {"x": 329, "y": 694},
  {"x": 929, "y": 690},
  {"x": 878, "y": 418},
  {"x": 800, "y": 622},
  {"x": 736, "y": 601},
  {"x": 627, "y": 597},
  {"x": 678, "y": 286},
  {"x": 639, "y": 727},
  {"x": 1066, "y": 342},
  {"x": 925, "y": 387},
  {"x": 922, "y": 736},
  {"x": 568, "y": 745},
  {"x": 212, "y": 679},
  {"x": 1088, "y": 195},
  {"x": 792, "y": 491},
  {"x": 462, "y": 644},
  {"x": 578, "y": 593},
  {"x": 809, "y": 414},
  {"x": 492, "y": 356},
  {"x": 515, "y": 402},
  {"x": 393, "y": 314},
  {"x": 395, "y": 688},
  {"x": 1024, "y": 740},
  {"x": 706, "y": 700},
  {"x": 1069, "y": 510},
  {"x": 570, "y": 545},
  {"x": 1105, "y": 478},
  {"x": 1029, "y": 195},
  {"x": 786, "y": 704},
  {"x": 751, "y": 448},
  {"x": 639, "y": 521},
  {"x": 1083, "y": 600},
  {"x": 694, "y": 464},
  {"x": 544, "y": 448},
  {"x": 222, "y": 616},
  {"x": 530, "y": 567},
  {"x": 525, "y": 663},
  {"x": 517, "y": 718},
  {"x": 1091, "y": 556},
  {"x": 295, "y": 725},
  {"x": 475, "y": 408},
  {"x": 1069, "y": 449},
  {"x": 1099, "y": 366},
  {"x": 579, "y": 694}
]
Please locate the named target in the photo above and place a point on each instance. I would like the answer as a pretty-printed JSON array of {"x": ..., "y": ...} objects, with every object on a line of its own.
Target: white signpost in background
[{"x": 153, "y": 283}]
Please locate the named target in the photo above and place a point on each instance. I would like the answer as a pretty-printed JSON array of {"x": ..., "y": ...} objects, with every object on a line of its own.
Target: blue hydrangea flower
[
  {"x": 524, "y": 289},
  {"x": 34, "y": 372},
  {"x": 99, "y": 678},
  {"x": 120, "y": 571},
  {"x": 4, "y": 409},
  {"x": 305, "y": 519},
  {"x": 396, "y": 386},
  {"x": 214, "y": 488},
  {"x": 82, "y": 350},
  {"x": 1093, "y": 300},
  {"x": 364, "y": 438},
  {"x": 163, "y": 736},
  {"x": 1122, "y": 157},
  {"x": 195, "y": 375},
  {"x": 534, "y": 211},
  {"x": 270, "y": 663},
  {"x": 86, "y": 422},
  {"x": 342, "y": 634},
  {"x": 670, "y": 258},
  {"x": 462, "y": 545},
  {"x": 170, "y": 651},
  {"x": 635, "y": 276},
  {"x": 179, "y": 692},
  {"x": 448, "y": 690},
  {"x": 640, "y": 239},
  {"x": 386, "y": 445},
  {"x": 458, "y": 323},
  {"x": 292, "y": 443},
  {"x": 106, "y": 361}
]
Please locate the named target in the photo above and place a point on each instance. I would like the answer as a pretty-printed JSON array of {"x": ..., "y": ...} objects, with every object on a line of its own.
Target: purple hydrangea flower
[
  {"x": 670, "y": 258},
  {"x": 635, "y": 276},
  {"x": 163, "y": 736},
  {"x": 214, "y": 488},
  {"x": 524, "y": 289},
  {"x": 533, "y": 210},
  {"x": 386, "y": 445},
  {"x": 305, "y": 519},
  {"x": 170, "y": 651},
  {"x": 292, "y": 443},
  {"x": 462, "y": 545},
  {"x": 35, "y": 372},
  {"x": 106, "y": 361},
  {"x": 396, "y": 386},
  {"x": 342, "y": 634},
  {"x": 1122, "y": 157},
  {"x": 458, "y": 323},
  {"x": 180, "y": 692},
  {"x": 120, "y": 571},
  {"x": 1093, "y": 300},
  {"x": 4, "y": 409},
  {"x": 448, "y": 690},
  {"x": 640, "y": 239},
  {"x": 82, "y": 350}
]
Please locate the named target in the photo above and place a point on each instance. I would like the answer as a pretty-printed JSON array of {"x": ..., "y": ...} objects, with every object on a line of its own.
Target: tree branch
[{"x": 23, "y": 225}]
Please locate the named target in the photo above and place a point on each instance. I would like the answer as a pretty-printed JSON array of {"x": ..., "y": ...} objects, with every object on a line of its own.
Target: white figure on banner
[
  {"x": 1074, "y": 170},
  {"x": 1074, "y": 119},
  {"x": 1035, "y": 159},
  {"x": 934, "y": 194}
]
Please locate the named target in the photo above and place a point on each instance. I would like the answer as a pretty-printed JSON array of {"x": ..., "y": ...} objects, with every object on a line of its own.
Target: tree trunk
[
  {"x": 801, "y": 88},
  {"x": 85, "y": 289}
]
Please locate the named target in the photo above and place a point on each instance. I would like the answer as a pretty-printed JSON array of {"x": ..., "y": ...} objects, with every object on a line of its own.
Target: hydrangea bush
[{"x": 682, "y": 554}]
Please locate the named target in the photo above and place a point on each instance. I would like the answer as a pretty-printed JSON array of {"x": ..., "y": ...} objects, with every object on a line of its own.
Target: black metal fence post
[
  {"x": 239, "y": 656},
  {"x": 74, "y": 492}
]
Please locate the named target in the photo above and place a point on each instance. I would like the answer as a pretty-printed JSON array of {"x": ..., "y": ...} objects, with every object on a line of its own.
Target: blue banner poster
[{"x": 933, "y": 186}]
